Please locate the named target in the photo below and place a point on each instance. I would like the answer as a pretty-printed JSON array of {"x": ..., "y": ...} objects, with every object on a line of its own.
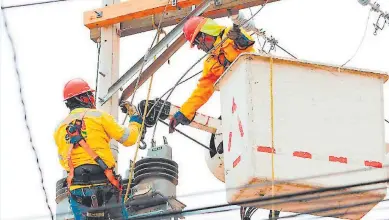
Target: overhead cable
[
  {"x": 171, "y": 88},
  {"x": 265, "y": 201},
  {"x": 98, "y": 67},
  {"x": 32, "y": 4},
  {"x": 362, "y": 40},
  {"x": 331, "y": 208},
  {"x": 17, "y": 71}
]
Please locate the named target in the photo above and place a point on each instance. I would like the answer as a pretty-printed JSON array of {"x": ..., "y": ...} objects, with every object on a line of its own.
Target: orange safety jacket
[
  {"x": 213, "y": 68},
  {"x": 100, "y": 127}
]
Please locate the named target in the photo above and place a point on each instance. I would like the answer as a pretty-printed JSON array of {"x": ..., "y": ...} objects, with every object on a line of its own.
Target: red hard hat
[
  {"x": 192, "y": 27},
  {"x": 75, "y": 87}
]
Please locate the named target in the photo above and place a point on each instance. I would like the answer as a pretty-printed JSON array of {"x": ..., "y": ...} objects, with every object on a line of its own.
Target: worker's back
[{"x": 95, "y": 130}]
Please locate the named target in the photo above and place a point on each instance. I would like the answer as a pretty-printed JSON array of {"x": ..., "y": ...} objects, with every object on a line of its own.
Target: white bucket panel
[{"x": 325, "y": 122}]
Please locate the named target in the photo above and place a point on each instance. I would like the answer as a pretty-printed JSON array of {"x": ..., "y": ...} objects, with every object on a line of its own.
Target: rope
[
  {"x": 141, "y": 130},
  {"x": 272, "y": 129},
  {"x": 147, "y": 53},
  {"x": 25, "y": 113}
]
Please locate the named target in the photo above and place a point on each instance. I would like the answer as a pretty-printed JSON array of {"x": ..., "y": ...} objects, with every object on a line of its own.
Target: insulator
[{"x": 364, "y": 2}]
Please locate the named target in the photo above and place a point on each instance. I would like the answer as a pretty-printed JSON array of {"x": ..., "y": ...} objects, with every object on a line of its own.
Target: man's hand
[
  {"x": 177, "y": 119},
  {"x": 128, "y": 108},
  {"x": 234, "y": 32}
]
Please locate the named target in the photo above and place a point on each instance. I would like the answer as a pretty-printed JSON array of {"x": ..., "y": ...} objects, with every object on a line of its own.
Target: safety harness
[
  {"x": 241, "y": 43},
  {"x": 76, "y": 139}
]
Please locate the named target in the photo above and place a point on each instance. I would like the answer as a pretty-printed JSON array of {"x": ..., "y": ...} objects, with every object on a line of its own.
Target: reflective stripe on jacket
[
  {"x": 100, "y": 128},
  {"x": 212, "y": 70}
]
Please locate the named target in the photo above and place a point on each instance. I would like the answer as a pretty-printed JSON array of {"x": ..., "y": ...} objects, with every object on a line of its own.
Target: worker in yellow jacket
[
  {"x": 83, "y": 141},
  {"x": 205, "y": 33}
]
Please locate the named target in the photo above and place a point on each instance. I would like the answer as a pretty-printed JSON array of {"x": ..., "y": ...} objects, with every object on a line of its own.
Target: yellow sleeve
[
  {"x": 211, "y": 72},
  {"x": 60, "y": 149},
  {"x": 125, "y": 135}
]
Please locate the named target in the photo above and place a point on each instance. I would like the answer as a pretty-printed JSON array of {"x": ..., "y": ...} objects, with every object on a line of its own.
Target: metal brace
[
  {"x": 218, "y": 2},
  {"x": 376, "y": 24},
  {"x": 99, "y": 14}
]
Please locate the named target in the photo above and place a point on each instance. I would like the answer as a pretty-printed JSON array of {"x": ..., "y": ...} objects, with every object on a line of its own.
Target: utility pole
[{"x": 109, "y": 69}]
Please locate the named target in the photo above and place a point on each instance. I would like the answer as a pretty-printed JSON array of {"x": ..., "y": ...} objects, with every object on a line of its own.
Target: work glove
[
  {"x": 241, "y": 42},
  {"x": 128, "y": 108},
  {"x": 177, "y": 119},
  {"x": 234, "y": 32}
]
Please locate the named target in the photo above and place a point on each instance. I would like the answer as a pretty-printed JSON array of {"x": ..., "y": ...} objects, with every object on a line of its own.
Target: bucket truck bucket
[{"x": 327, "y": 122}]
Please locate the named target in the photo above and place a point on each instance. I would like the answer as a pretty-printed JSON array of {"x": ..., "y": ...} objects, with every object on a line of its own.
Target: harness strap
[{"x": 76, "y": 139}]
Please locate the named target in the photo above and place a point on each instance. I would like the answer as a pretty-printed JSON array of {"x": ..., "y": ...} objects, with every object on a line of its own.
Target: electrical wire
[
  {"x": 148, "y": 51},
  {"x": 265, "y": 199},
  {"x": 16, "y": 66},
  {"x": 362, "y": 40},
  {"x": 32, "y": 4},
  {"x": 354, "y": 212},
  {"x": 145, "y": 57},
  {"x": 292, "y": 196},
  {"x": 98, "y": 67},
  {"x": 189, "y": 137},
  {"x": 171, "y": 88},
  {"x": 132, "y": 168},
  {"x": 331, "y": 208},
  {"x": 209, "y": 52}
]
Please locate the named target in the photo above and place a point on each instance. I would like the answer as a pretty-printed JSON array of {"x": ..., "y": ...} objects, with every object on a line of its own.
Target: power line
[
  {"x": 314, "y": 211},
  {"x": 25, "y": 112},
  {"x": 32, "y": 4},
  {"x": 354, "y": 212},
  {"x": 290, "y": 197},
  {"x": 246, "y": 202},
  {"x": 362, "y": 40},
  {"x": 160, "y": 98}
]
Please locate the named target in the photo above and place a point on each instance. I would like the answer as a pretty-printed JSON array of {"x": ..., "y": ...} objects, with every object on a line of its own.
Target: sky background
[{"x": 53, "y": 46}]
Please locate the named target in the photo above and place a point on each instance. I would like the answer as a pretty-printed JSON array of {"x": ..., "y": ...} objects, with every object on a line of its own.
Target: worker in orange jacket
[
  {"x": 205, "y": 33},
  {"x": 83, "y": 141}
]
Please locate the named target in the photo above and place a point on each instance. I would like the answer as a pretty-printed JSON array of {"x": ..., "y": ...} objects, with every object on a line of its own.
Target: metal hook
[
  {"x": 376, "y": 24},
  {"x": 165, "y": 140},
  {"x": 153, "y": 143},
  {"x": 143, "y": 145}
]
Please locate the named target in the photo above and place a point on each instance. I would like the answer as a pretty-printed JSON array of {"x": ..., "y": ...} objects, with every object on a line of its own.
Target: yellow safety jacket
[
  {"x": 213, "y": 68},
  {"x": 100, "y": 128}
]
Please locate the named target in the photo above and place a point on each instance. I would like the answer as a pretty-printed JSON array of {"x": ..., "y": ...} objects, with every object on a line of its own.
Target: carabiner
[{"x": 144, "y": 146}]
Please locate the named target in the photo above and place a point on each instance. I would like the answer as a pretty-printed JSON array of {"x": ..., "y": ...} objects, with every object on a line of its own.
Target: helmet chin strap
[{"x": 93, "y": 103}]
